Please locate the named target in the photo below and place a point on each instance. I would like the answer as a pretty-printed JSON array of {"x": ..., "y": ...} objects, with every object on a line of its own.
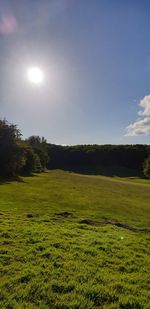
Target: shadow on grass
[
  {"x": 8, "y": 180},
  {"x": 111, "y": 171}
]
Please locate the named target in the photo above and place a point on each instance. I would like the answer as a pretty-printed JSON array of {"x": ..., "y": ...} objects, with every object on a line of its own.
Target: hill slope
[{"x": 72, "y": 241}]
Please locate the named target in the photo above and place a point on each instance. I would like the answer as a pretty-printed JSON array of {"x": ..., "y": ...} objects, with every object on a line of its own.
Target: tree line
[
  {"x": 133, "y": 157},
  {"x": 19, "y": 156}
]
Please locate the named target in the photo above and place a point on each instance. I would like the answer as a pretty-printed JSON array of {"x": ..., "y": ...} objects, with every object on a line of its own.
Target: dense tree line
[
  {"x": 127, "y": 156},
  {"x": 18, "y": 156}
]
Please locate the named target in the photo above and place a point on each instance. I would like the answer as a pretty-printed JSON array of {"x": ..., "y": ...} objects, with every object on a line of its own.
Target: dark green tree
[
  {"x": 146, "y": 167},
  {"x": 40, "y": 147},
  {"x": 11, "y": 154},
  {"x": 37, "y": 164},
  {"x": 29, "y": 157}
]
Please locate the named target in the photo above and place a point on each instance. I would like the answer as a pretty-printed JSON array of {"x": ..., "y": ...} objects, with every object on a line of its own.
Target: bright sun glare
[{"x": 35, "y": 75}]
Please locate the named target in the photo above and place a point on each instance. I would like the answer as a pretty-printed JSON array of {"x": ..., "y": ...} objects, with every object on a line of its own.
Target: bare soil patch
[
  {"x": 64, "y": 214},
  {"x": 115, "y": 223}
]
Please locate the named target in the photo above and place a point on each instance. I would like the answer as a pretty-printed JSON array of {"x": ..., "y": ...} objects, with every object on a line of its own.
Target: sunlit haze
[{"x": 35, "y": 75}]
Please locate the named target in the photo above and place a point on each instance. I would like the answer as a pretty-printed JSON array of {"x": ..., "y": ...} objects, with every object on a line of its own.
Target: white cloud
[
  {"x": 145, "y": 104},
  {"x": 140, "y": 127}
]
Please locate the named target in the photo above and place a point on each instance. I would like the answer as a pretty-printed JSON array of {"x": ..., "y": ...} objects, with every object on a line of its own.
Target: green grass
[{"x": 52, "y": 261}]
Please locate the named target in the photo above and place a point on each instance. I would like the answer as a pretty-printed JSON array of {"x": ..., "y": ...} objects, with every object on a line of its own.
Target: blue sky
[{"x": 95, "y": 55}]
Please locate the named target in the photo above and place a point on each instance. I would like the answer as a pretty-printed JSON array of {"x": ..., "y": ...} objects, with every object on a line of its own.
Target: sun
[{"x": 35, "y": 75}]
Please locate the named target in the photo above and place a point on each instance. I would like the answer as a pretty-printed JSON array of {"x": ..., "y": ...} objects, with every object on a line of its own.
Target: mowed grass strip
[{"x": 61, "y": 247}]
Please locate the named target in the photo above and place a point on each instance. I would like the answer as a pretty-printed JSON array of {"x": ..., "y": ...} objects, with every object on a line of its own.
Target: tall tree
[
  {"x": 40, "y": 147},
  {"x": 146, "y": 167},
  {"x": 11, "y": 154}
]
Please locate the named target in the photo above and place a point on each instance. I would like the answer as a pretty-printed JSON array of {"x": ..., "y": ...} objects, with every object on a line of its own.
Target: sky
[{"x": 95, "y": 57}]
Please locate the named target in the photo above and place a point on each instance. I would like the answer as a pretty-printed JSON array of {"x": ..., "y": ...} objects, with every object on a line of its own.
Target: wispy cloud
[{"x": 141, "y": 126}]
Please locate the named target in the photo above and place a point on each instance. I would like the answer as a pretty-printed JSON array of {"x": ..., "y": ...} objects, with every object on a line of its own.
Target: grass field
[{"x": 74, "y": 241}]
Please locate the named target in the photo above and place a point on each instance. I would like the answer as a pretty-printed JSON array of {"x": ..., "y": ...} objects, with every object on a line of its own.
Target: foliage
[
  {"x": 51, "y": 260},
  {"x": 30, "y": 159},
  {"x": 74, "y": 157},
  {"x": 11, "y": 154},
  {"x": 146, "y": 167},
  {"x": 39, "y": 146},
  {"x": 37, "y": 164},
  {"x": 18, "y": 156}
]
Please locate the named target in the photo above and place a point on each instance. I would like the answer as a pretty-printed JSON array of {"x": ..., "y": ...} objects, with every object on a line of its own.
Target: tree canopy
[{"x": 18, "y": 156}]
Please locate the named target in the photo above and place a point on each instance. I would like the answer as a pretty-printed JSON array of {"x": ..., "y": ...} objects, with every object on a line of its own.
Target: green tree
[
  {"x": 29, "y": 157},
  {"x": 11, "y": 154},
  {"x": 146, "y": 167},
  {"x": 40, "y": 147},
  {"x": 37, "y": 164}
]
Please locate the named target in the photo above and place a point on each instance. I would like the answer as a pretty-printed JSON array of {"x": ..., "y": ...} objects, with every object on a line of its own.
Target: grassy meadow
[{"x": 74, "y": 241}]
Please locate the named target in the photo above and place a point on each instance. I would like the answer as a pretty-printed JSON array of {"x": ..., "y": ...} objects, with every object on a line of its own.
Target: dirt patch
[
  {"x": 127, "y": 227},
  {"x": 89, "y": 222},
  {"x": 115, "y": 223},
  {"x": 64, "y": 214},
  {"x": 32, "y": 215},
  {"x": 121, "y": 225}
]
